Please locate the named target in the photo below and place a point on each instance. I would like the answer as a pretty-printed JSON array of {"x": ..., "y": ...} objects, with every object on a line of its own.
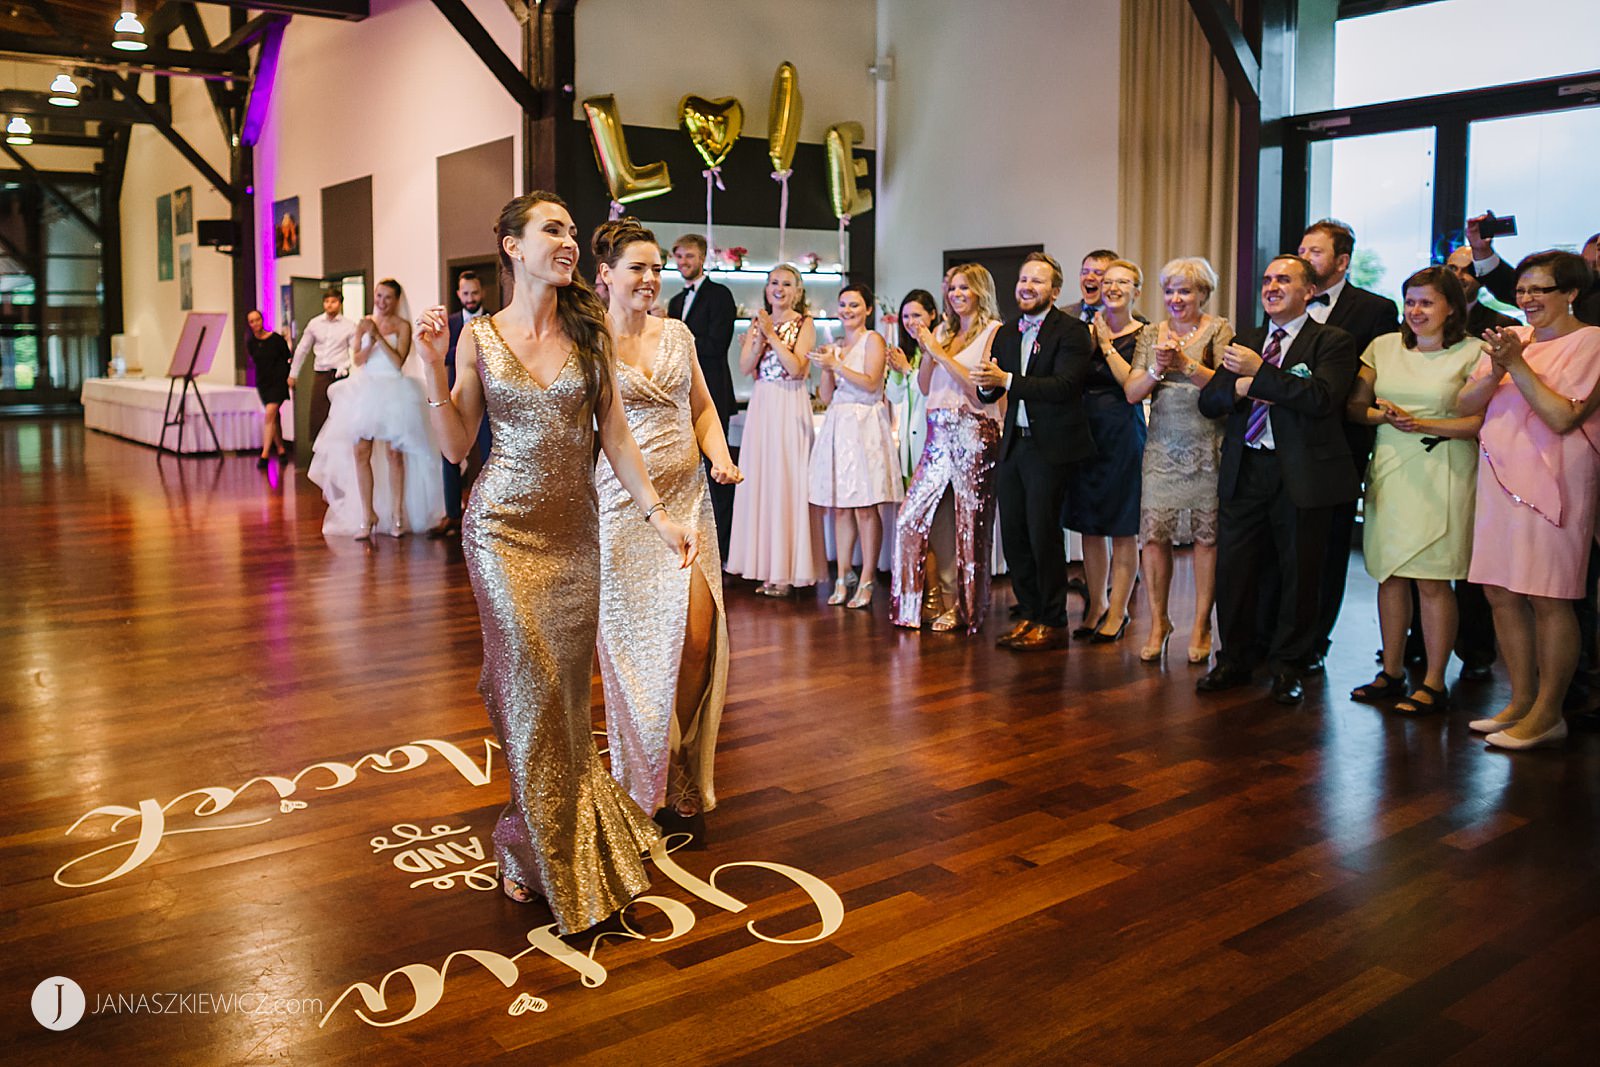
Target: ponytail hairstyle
[{"x": 579, "y": 311}]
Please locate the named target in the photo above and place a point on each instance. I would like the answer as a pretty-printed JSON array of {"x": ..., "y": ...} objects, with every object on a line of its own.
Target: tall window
[{"x": 1450, "y": 45}]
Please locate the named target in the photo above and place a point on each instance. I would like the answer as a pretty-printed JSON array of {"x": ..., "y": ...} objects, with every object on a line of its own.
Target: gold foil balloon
[
  {"x": 844, "y": 168},
  {"x": 713, "y": 125},
  {"x": 783, "y": 116},
  {"x": 626, "y": 182}
]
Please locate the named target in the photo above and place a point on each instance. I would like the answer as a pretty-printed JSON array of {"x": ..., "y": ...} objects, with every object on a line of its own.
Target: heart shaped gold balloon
[{"x": 712, "y": 125}]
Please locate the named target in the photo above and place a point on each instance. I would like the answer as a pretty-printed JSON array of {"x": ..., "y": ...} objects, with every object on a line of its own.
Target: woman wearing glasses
[{"x": 1537, "y": 487}]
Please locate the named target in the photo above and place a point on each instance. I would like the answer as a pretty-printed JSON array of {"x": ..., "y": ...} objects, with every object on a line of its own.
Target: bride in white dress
[{"x": 379, "y": 413}]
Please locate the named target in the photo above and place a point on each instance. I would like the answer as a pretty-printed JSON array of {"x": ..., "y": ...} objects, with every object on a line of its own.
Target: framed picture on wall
[
  {"x": 286, "y": 313},
  {"x": 186, "y": 277},
  {"x": 183, "y": 211},
  {"x": 286, "y": 227},
  {"x": 164, "y": 238}
]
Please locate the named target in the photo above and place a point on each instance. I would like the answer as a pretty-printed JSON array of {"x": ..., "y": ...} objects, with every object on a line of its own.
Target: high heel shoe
[
  {"x": 364, "y": 531},
  {"x": 1088, "y": 628},
  {"x": 948, "y": 622},
  {"x": 841, "y": 590},
  {"x": 1201, "y": 653},
  {"x": 1150, "y": 654},
  {"x": 397, "y": 528},
  {"x": 516, "y": 891},
  {"x": 863, "y": 597},
  {"x": 1106, "y": 639}
]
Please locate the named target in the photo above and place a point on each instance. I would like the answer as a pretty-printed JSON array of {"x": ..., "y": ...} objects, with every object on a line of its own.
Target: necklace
[{"x": 1182, "y": 340}]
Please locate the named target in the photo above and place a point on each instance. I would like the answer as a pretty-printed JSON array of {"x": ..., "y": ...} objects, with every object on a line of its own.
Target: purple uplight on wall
[{"x": 258, "y": 109}]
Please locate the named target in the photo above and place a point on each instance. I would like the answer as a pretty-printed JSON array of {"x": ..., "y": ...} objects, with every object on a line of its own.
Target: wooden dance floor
[{"x": 249, "y": 802}]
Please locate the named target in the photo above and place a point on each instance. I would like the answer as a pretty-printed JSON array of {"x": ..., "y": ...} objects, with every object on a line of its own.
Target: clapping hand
[
  {"x": 433, "y": 336},
  {"x": 764, "y": 321},
  {"x": 926, "y": 339},
  {"x": 1505, "y": 348},
  {"x": 1169, "y": 357},
  {"x": 1396, "y": 416},
  {"x": 1242, "y": 361},
  {"x": 897, "y": 360},
  {"x": 988, "y": 375},
  {"x": 825, "y": 356}
]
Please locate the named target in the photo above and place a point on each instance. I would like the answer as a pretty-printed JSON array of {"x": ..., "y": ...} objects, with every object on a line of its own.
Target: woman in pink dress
[
  {"x": 776, "y": 539},
  {"x": 950, "y": 501},
  {"x": 854, "y": 468},
  {"x": 1537, "y": 486}
]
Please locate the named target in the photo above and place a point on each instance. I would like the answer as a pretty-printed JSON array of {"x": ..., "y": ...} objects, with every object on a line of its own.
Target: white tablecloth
[{"x": 133, "y": 408}]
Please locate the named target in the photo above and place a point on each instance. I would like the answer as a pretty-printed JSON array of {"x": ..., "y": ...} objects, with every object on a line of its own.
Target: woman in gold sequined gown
[
  {"x": 542, "y": 370},
  {"x": 663, "y": 632}
]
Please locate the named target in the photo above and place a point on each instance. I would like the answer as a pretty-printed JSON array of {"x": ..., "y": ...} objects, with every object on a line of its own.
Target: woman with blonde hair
[
  {"x": 1182, "y": 450},
  {"x": 776, "y": 538},
  {"x": 951, "y": 497},
  {"x": 1103, "y": 492}
]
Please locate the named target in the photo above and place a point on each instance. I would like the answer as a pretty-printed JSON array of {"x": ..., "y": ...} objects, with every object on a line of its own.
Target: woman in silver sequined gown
[
  {"x": 542, "y": 370},
  {"x": 663, "y": 631}
]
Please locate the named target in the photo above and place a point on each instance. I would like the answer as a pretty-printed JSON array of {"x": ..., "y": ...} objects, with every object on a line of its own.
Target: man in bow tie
[
  {"x": 1038, "y": 363},
  {"x": 1285, "y": 467},
  {"x": 1328, "y": 246}
]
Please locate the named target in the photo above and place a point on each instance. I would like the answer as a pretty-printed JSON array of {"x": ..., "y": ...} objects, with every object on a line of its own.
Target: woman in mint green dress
[{"x": 1421, "y": 485}]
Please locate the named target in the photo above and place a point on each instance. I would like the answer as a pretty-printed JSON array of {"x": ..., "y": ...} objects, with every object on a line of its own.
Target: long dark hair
[
  {"x": 579, "y": 311},
  {"x": 1443, "y": 281},
  {"x": 908, "y": 342}
]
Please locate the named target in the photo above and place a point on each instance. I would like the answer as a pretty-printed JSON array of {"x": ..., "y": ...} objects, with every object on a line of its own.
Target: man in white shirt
[{"x": 328, "y": 338}]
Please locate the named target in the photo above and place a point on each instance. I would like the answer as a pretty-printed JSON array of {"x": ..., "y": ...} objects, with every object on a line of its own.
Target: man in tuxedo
[
  {"x": 469, "y": 293},
  {"x": 1285, "y": 468},
  {"x": 1328, "y": 246},
  {"x": 1039, "y": 362},
  {"x": 1090, "y": 272},
  {"x": 1500, "y": 277},
  {"x": 707, "y": 308}
]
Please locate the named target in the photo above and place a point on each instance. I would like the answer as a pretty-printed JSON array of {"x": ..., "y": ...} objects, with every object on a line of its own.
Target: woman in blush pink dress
[
  {"x": 854, "y": 468},
  {"x": 776, "y": 538},
  {"x": 1538, "y": 480}
]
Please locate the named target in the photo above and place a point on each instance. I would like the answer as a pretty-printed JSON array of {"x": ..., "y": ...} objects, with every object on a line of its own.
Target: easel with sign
[{"x": 197, "y": 349}]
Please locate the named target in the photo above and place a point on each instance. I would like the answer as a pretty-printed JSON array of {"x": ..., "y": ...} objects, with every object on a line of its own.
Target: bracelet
[
  {"x": 438, "y": 403},
  {"x": 657, "y": 506},
  {"x": 1154, "y": 372}
]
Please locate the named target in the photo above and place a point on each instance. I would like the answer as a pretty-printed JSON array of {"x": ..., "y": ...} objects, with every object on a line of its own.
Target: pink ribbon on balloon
[
  {"x": 713, "y": 177},
  {"x": 782, "y": 178},
  {"x": 844, "y": 224}
]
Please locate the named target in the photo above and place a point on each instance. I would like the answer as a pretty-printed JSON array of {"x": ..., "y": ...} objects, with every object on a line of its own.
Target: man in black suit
[
  {"x": 1039, "y": 362},
  {"x": 1328, "y": 246},
  {"x": 1090, "y": 272},
  {"x": 1285, "y": 467},
  {"x": 469, "y": 292},
  {"x": 707, "y": 308},
  {"x": 1500, "y": 277},
  {"x": 1475, "y": 635}
]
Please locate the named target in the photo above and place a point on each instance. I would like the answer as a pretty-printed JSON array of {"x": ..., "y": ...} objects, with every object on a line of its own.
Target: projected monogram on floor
[
  {"x": 428, "y": 859},
  {"x": 427, "y": 982},
  {"x": 149, "y": 822}
]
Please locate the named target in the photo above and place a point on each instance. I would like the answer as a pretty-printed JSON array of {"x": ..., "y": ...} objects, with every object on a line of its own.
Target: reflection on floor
[{"x": 249, "y": 797}]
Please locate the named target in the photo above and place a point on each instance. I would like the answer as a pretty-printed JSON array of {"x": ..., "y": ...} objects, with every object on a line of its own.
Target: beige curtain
[{"x": 1178, "y": 150}]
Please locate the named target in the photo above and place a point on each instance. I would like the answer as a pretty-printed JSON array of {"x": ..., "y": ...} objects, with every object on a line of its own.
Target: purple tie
[{"x": 1257, "y": 425}]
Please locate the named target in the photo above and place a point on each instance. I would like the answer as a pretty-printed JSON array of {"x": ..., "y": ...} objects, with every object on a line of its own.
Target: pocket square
[{"x": 1300, "y": 370}]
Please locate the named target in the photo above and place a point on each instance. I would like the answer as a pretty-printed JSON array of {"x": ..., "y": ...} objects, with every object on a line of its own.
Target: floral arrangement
[
  {"x": 732, "y": 258},
  {"x": 809, "y": 261}
]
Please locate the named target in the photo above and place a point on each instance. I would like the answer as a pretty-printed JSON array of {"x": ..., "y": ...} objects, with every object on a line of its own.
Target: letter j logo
[{"x": 58, "y": 1003}]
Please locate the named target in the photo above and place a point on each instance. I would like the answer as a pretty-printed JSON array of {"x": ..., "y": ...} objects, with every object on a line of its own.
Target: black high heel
[
  {"x": 1106, "y": 639},
  {"x": 1088, "y": 628}
]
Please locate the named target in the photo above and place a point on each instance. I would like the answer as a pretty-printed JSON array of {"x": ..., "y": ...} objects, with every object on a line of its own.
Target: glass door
[{"x": 1381, "y": 186}]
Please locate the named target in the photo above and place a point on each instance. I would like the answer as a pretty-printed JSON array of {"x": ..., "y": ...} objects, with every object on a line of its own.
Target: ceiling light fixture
[
  {"x": 128, "y": 33},
  {"x": 64, "y": 91},
  {"x": 18, "y": 131}
]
